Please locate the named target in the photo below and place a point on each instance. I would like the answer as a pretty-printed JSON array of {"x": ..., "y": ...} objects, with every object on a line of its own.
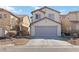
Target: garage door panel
[{"x": 46, "y": 30}]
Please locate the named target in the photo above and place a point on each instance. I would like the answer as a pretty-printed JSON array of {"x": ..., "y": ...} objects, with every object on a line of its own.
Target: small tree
[{"x": 66, "y": 26}]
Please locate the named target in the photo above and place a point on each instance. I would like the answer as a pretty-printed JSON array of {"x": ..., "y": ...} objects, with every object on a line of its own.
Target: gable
[
  {"x": 41, "y": 10},
  {"x": 50, "y": 11},
  {"x": 7, "y": 12}
]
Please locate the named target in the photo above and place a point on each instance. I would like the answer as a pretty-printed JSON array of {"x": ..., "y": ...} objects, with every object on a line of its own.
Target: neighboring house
[
  {"x": 24, "y": 23},
  {"x": 45, "y": 23},
  {"x": 73, "y": 18},
  {"x": 8, "y": 20},
  {"x": 65, "y": 24}
]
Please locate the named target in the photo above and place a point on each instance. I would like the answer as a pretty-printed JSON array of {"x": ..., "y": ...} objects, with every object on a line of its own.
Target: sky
[{"x": 26, "y": 10}]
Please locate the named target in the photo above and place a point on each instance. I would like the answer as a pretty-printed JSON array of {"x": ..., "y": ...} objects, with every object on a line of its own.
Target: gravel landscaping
[
  {"x": 74, "y": 41},
  {"x": 13, "y": 42}
]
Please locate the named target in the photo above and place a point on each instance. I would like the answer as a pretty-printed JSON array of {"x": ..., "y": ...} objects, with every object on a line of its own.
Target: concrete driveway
[{"x": 48, "y": 43}]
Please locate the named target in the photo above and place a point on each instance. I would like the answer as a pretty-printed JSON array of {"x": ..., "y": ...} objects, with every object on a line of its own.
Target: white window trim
[
  {"x": 39, "y": 16},
  {"x": 52, "y": 16}
]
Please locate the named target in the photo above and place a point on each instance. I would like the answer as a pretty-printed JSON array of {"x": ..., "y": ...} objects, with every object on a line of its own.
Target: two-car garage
[{"x": 46, "y": 31}]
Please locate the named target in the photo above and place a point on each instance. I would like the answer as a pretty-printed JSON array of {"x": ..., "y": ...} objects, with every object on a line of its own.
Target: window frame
[
  {"x": 5, "y": 15},
  {"x": 37, "y": 16},
  {"x": 51, "y": 16}
]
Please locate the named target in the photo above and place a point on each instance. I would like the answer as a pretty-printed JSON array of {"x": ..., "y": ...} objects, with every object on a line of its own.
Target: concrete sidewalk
[{"x": 31, "y": 49}]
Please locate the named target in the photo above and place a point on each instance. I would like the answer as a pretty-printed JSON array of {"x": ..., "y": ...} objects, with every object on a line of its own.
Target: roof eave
[{"x": 44, "y": 18}]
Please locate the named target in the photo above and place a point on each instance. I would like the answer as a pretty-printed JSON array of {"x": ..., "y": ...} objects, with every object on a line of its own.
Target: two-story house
[
  {"x": 45, "y": 23},
  {"x": 8, "y": 21},
  {"x": 73, "y": 17}
]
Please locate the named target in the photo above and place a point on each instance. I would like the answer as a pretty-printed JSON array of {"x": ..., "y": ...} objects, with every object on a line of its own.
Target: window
[
  {"x": 5, "y": 15},
  {"x": 0, "y": 16},
  {"x": 51, "y": 16},
  {"x": 37, "y": 16}
]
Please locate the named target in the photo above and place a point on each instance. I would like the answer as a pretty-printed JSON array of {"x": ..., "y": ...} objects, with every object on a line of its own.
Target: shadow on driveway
[{"x": 56, "y": 38}]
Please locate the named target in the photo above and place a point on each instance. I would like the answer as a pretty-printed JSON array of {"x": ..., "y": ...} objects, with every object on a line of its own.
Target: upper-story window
[
  {"x": 5, "y": 15},
  {"x": 37, "y": 16},
  {"x": 0, "y": 16},
  {"x": 51, "y": 16}
]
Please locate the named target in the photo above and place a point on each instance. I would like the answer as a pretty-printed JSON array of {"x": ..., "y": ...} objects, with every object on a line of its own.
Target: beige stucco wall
[
  {"x": 56, "y": 14},
  {"x": 78, "y": 16},
  {"x": 75, "y": 26},
  {"x": 72, "y": 16},
  {"x": 7, "y": 22},
  {"x": 13, "y": 21},
  {"x": 4, "y": 21},
  {"x": 26, "y": 23},
  {"x": 46, "y": 22},
  {"x": 38, "y": 12}
]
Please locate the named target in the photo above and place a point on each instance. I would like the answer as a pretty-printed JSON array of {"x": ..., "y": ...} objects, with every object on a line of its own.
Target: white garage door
[{"x": 46, "y": 31}]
